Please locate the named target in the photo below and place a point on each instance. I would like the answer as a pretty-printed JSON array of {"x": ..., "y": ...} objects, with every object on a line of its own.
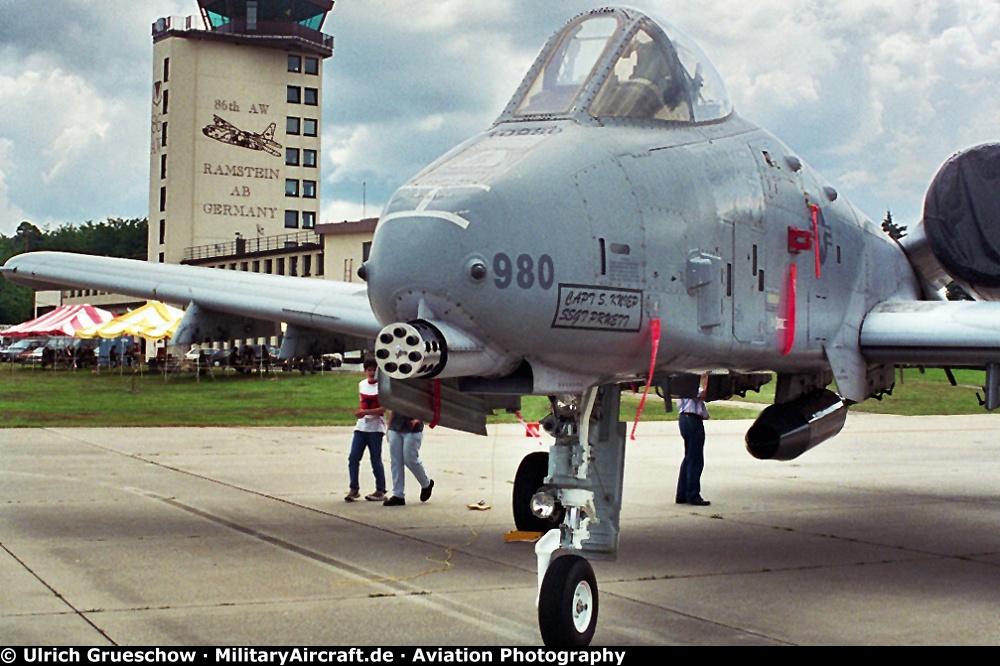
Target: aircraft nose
[
  {"x": 423, "y": 274},
  {"x": 412, "y": 255},
  {"x": 430, "y": 245}
]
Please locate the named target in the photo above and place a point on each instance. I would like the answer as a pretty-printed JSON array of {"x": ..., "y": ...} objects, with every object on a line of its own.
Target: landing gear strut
[{"x": 584, "y": 479}]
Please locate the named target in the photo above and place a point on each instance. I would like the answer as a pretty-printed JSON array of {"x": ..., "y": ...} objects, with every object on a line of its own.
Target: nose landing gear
[{"x": 582, "y": 485}]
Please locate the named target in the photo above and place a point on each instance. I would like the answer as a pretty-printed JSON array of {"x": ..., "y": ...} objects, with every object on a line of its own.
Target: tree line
[{"x": 114, "y": 237}]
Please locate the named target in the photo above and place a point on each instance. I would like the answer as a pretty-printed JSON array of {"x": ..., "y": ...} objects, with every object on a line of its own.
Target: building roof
[{"x": 365, "y": 226}]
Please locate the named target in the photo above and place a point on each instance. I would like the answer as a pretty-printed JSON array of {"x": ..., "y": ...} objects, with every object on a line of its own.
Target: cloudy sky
[{"x": 875, "y": 94}]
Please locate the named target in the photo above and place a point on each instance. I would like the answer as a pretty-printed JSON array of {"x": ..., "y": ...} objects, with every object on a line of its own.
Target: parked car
[
  {"x": 13, "y": 352},
  {"x": 206, "y": 356},
  {"x": 33, "y": 356}
]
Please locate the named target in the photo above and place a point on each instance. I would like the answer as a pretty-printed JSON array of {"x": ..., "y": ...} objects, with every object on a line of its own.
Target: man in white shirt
[{"x": 368, "y": 434}]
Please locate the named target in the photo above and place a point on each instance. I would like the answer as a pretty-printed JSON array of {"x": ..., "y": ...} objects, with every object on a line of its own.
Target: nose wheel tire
[
  {"x": 567, "y": 603},
  {"x": 529, "y": 479}
]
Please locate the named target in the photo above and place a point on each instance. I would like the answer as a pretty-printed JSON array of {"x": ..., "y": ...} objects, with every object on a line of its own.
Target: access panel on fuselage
[{"x": 616, "y": 226}]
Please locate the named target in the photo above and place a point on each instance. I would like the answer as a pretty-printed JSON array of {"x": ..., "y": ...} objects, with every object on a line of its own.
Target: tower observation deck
[{"x": 282, "y": 24}]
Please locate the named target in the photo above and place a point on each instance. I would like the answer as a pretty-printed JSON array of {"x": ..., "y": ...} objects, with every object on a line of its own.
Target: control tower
[{"x": 235, "y": 133}]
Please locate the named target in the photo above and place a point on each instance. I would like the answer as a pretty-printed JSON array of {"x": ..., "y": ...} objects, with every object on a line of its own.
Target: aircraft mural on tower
[
  {"x": 225, "y": 132},
  {"x": 618, "y": 223}
]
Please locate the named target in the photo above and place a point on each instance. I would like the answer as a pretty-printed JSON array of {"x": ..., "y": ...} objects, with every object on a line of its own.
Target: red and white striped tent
[{"x": 64, "y": 320}]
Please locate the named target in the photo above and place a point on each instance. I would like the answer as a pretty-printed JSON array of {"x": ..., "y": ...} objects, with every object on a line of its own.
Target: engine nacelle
[
  {"x": 959, "y": 235},
  {"x": 786, "y": 431}
]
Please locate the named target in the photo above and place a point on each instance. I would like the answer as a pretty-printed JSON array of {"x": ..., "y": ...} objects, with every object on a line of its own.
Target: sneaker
[
  {"x": 376, "y": 496},
  {"x": 425, "y": 493},
  {"x": 352, "y": 496},
  {"x": 394, "y": 501}
]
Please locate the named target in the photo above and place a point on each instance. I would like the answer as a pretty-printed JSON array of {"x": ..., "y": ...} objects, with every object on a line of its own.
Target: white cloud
[
  {"x": 873, "y": 93},
  {"x": 10, "y": 214},
  {"x": 346, "y": 210}
]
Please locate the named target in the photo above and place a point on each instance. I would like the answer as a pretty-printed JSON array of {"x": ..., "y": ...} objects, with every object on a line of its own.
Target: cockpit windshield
[
  {"x": 646, "y": 83},
  {"x": 633, "y": 68},
  {"x": 568, "y": 67}
]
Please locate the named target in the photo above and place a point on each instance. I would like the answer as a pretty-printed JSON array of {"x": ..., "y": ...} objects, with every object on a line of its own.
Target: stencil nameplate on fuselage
[{"x": 598, "y": 309}]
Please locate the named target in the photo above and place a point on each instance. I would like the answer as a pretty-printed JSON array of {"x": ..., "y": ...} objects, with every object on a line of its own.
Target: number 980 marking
[{"x": 523, "y": 271}]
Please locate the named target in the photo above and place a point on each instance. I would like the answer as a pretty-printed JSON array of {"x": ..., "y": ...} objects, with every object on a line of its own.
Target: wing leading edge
[
  {"x": 935, "y": 333},
  {"x": 318, "y": 305}
]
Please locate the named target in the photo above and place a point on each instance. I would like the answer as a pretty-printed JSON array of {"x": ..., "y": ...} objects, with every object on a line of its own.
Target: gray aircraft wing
[
  {"x": 934, "y": 333},
  {"x": 222, "y": 305}
]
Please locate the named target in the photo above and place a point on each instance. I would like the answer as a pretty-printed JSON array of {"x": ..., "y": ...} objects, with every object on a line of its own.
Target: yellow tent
[{"x": 153, "y": 321}]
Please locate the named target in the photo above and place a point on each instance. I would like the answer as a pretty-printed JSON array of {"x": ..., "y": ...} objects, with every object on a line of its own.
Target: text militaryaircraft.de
[{"x": 618, "y": 223}]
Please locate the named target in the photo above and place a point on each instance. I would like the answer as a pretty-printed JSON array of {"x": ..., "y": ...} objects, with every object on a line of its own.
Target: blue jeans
[
  {"x": 404, "y": 453},
  {"x": 689, "y": 480},
  {"x": 373, "y": 442}
]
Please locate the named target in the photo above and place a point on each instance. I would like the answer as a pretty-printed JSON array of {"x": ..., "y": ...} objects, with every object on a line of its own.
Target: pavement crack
[{"x": 82, "y": 614}]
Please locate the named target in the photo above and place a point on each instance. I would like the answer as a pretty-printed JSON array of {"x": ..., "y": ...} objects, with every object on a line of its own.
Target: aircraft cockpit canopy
[{"x": 619, "y": 65}]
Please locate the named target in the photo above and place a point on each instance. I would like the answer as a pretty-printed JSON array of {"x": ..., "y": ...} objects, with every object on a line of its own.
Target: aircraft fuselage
[{"x": 560, "y": 241}]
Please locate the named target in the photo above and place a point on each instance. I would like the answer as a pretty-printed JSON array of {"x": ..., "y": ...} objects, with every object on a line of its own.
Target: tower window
[
  {"x": 294, "y": 63},
  {"x": 292, "y": 125},
  {"x": 308, "y": 157},
  {"x": 294, "y": 95},
  {"x": 309, "y": 127},
  {"x": 292, "y": 156},
  {"x": 311, "y": 96},
  {"x": 291, "y": 219},
  {"x": 312, "y": 66}
]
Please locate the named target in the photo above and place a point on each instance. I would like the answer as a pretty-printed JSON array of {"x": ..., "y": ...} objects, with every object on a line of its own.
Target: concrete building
[
  {"x": 346, "y": 246},
  {"x": 235, "y": 154},
  {"x": 235, "y": 124}
]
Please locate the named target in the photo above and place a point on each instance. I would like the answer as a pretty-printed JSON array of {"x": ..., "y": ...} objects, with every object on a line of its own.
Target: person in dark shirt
[{"x": 405, "y": 437}]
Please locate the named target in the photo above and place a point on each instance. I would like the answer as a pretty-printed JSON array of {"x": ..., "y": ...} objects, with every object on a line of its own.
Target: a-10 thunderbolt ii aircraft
[{"x": 618, "y": 223}]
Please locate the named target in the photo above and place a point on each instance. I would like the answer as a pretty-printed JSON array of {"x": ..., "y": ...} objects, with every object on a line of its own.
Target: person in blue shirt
[{"x": 692, "y": 416}]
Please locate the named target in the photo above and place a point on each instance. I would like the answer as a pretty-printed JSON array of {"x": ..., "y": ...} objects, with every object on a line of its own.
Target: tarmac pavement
[{"x": 887, "y": 534}]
